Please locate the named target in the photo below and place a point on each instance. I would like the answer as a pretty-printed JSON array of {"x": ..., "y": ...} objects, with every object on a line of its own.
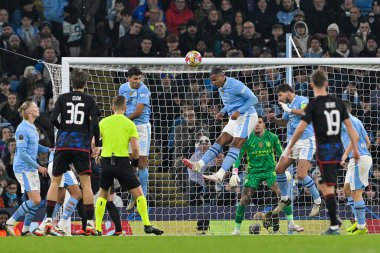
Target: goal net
[{"x": 184, "y": 103}]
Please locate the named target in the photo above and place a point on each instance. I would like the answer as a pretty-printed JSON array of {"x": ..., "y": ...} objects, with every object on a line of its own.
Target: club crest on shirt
[
  {"x": 21, "y": 137},
  {"x": 268, "y": 144}
]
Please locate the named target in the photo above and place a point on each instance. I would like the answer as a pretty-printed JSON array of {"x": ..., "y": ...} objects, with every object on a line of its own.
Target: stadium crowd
[{"x": 183, "y": 110}]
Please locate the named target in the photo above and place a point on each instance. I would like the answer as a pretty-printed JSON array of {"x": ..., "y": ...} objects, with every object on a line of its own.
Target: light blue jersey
[
  {"x": 237, "y": 97},
  {"x": 299, "y": 102},
  {"x": 134, "y": 97},
  {"x": 27, "y": 148},
  {"x": 362, "y": 144}
]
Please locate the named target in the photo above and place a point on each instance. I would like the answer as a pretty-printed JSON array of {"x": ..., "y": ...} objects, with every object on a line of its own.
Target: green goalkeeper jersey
[{"x": 260, "y": 152}]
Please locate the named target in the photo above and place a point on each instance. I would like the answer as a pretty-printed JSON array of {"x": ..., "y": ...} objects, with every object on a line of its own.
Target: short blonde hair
[{"x": 22, "y": 109}]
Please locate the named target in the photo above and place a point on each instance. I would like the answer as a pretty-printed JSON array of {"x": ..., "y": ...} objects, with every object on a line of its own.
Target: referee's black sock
[
  {"x": 82, "y": 214},
  {"x": 331, "y": 207},
  {"x": 114, "y": 213},
  {"x": 50, "y": 205}
]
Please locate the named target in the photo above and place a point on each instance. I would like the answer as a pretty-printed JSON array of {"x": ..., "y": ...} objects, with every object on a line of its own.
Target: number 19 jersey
[
  {"x": 77, "y": 111},
  {"x": 327, "y": 114}
]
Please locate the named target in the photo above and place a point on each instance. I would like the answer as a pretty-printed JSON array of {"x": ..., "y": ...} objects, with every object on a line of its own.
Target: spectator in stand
[
  {"x": 368, "y": 114},
  {"x": 343, "y": 49},
  {"x": 6, "y": 134},
  {"x": 53, "y": 12},
  {"x": 317, "y": 24},
  {"x": 155, "y": 15},
  {"x": 14, "y": 65},
  {"x": 202, "y": 11},
  {"x": 38, "y": 96},
  {"x": 8, "y": 159},
  {"x": 315, "y": 50},
  {"x": 225, "y": 34},
  {"x": 143, "y": 12},
  {"x": 177, "y": 14},
  {"x": 226, "y": 46},
  {"x": 301, "y": 36},
  {"x": 87, "y": 10},
  {"x": 263, "y": 18},
  {"x": 27, "y": 31},
  {"x": 45, "y": 42},
  {"x": 331, "y": 41},
  {"x": 172, "y": 43},
  {"x": 248, "y": 38},
  {"x": 4, "y": 38},
  {"x": 10, "y": 197},
  {"x": 299, "y": 15},
  {"x": 371, "y": 196},
  {"x": 5, "y": 86},
  {"x": 370, "y": 49},
  {"x": 44, "y": 29},
  {"x": 9, "y": 110},
  {"x": 350, "y": 25},
  {"x": 344, "y": 12},
  {"x": 301, "y": 85},
  {"x": 277, "y": 32},
  {"x": 122, "y": 25},
  {"x": 264, "y": 103},
  {"x": 28, "y": 8},
  {"x": 73, "y": 29},
  {"x": 44, "y": 120},
  {"x": 4, "y": 18},
  {"x": 351, "y": 92},
  {"x": 159, "y": 40},
  {"x": 189, "y": 39},
  {"x": 227, "y": 10},
  {"x": 285, "y": 15},
  {"x": 358, "y": 40},
  {"x": 374, "y": 18},
  {"x": 209, "y": 27},
  {"x": 129, "y": 44},
  {"x": 201, "y": 46},
  {"x": 238, "y": 22},
  {"x": 146, "y": 49},
  {"x": 204, "y": 102},
  {"x": 375, "y": 96},
  {"x": 49, "y": 56},
  {"x": 3, "y": 175},
  {"x": 208, "y": 54},
  {"x": 27, "y": 83}
]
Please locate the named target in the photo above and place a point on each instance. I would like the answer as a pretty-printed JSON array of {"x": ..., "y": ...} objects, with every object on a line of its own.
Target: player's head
[
  {"x": 119, "y": 104},
  {"x": 347, "y": 105},
  {"x": 285, "y": 93},
  {"x": 319, "y": 79},
  {"x": 4, "y": 216},
  {"x": 79, "y": 79},
  {"x": 134, "y": 77},
  {"x": 29, "y": 110},
  {"x": 217, "y": 77},
  {"x": 260, "y": 126}
]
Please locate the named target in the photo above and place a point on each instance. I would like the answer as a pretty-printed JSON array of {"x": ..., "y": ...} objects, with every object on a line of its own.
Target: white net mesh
[{"x": 179, "y": 202}]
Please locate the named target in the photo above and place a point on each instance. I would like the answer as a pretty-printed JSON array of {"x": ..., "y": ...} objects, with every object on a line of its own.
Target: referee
[{"x": 117, "y": 132}]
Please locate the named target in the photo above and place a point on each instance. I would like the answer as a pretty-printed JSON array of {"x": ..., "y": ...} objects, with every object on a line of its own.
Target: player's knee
[
  {"x": 301, "y": 175},
  {"x": 77, "y": 195},
  {"x": 244, "y": 201},
  {"x": 347, "y": 190},
  {"x": 280, "y": 169}
]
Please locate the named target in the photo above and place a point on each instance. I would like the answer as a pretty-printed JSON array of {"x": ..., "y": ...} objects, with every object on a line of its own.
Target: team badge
[
  {"x": 268, "y": 144},
  {"x": 21, "y": 137}
]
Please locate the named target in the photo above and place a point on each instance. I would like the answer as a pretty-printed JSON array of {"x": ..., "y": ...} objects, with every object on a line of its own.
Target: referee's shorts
[{"x": 122, "y": 170}]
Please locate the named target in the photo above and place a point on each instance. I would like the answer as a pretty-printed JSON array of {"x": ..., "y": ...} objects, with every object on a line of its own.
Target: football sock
[
  {"x": 282, "y": 181},
  {"x": 143, "y": 178},
  {"x": 211, "y": 153},
  {"x": 21, "y": 211},
  {"x": 115, "y": 216},
  {"x": 89, "y": 212},
  {"x": 288, "y": 212},
  {"x": 82, "y": 214},
  {"x": 240, "y": 210},
  {"x": 309, "y": 183},
  {"x": 50, "y": 205},
  {"x": 29, "y": 216},
  {"x": 99, "y": 212},
  {"x": 69, "y": 208},
  {"x": 56, "y": 209},
  {"x": 231, "y": 157},
  {"x": 331, "y": 207},
  {"x": 142, "y": 208},
  {"x": 360, "y": 211},
  {"x": 352, "y": 205}
]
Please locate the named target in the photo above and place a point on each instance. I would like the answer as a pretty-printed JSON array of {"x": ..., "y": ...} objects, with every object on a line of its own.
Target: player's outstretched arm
[
  {"x": 278, "y": 122},
  {"x": 354, "y": 137},
  {"x": 297, "y": 135}
]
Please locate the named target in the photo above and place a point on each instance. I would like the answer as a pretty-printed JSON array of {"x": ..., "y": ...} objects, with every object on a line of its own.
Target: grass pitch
[{"x": 194, "y": 244}]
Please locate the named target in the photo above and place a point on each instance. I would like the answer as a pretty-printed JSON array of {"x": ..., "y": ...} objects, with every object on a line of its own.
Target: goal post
[{"x": 179, "y": 202}]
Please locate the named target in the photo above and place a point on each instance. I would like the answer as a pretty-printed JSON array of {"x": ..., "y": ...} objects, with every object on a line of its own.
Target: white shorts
[
  {"x": 68, "y": 178},
  {"x": 357, "y": 174},
  {"x": 144, "y": 131},
  {"x": 303, "y": 149},
  {"x": 242, "y": 127},
  {"x": 29, "y": 181}
]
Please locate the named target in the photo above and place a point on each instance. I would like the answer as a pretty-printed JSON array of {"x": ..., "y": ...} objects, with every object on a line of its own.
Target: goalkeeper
[{"x": 260, "y": 149}]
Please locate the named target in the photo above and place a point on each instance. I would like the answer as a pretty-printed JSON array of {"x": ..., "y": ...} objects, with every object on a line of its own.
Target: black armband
[{"x": 135, "y": 162}]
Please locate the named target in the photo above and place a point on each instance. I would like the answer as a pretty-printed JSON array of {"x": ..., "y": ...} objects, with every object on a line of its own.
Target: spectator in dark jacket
[
  {"x": 370, "y": 49},
  {"x": 72, "y": 31},
  {"x": 263, "y": 18},
  {"x": 10, "y": 110},
  {"x": 317, "y": 24},
  {"x": 129, "y": 45}
]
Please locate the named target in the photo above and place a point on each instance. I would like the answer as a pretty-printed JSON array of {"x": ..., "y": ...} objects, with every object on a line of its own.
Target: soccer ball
[{"x": 193, "y": 58}]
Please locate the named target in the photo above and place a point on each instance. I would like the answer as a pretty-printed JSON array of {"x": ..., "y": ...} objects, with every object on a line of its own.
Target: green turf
[{"x": 194, "y": 244}]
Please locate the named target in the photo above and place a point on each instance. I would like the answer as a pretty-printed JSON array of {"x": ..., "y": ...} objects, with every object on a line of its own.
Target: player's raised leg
[{"x": 282, "y": 181}]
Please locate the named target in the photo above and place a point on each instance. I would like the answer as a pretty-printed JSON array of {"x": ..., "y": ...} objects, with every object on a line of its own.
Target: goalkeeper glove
[
  {"x": 234, "y": 180},
  {"x": 285, "y": 107}
]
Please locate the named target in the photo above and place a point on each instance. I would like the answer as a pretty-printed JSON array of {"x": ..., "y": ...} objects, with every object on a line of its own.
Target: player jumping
[
  {"x": 327, "y": 112},
  {"x": 303, "y": 151},
  {"x": 238, "y": 102}
]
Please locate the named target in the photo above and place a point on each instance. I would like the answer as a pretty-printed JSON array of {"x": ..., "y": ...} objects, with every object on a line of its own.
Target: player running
[
  {"x": 327, "y": 113},
  {"x": 303, "y": 151},
  {"x": 357, "y": 174},
  {"x": 137, "y": 97},
  {"x": 78, "y": 119},
  {"x": 26, "y": 168},
  {"x": 118, "y": 133},
  {"x": 260, "y": 149},
  {"x": 238, "y": 102}
]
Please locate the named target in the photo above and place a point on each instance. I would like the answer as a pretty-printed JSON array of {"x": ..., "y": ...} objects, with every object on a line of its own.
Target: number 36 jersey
[
  {"x": 78, "y": 113},
  {"x": 327, "y": 114}
]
